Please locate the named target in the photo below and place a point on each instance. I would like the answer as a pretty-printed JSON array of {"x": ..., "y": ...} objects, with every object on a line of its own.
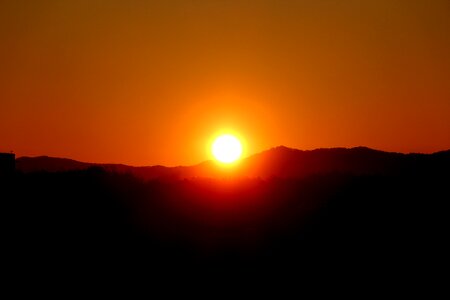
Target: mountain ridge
[{"x": 280, "y": 161}]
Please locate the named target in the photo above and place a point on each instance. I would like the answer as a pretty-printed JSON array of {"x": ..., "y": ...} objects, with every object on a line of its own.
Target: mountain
[
  {"x": 281, "y": 162},
  {"x": 49, "y": 164},
  {"x": 392, "y": 217},
  {"x": 286, "y": 162}
]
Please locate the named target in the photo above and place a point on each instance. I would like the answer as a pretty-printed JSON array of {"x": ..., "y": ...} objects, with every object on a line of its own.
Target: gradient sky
[{"x": 151, "y": 82}]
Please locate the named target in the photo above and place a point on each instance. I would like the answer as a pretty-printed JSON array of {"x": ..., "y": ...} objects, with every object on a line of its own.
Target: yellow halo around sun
[{"x": 226, "y": 148}]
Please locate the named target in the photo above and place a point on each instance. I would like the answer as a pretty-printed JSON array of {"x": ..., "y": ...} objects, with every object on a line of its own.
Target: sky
[{"x": 152, "y": 82}]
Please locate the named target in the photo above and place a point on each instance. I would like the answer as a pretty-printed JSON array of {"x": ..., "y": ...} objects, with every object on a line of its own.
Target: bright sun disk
[{"x": 226, "y": 148}]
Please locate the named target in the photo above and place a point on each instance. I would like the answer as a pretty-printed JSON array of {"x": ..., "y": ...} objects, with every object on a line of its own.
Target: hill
[
  {"x": 279, "y": 162},
  {"x": 283, "y": 211}
]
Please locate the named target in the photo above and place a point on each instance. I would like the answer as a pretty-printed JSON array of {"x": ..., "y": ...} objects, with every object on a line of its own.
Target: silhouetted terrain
[
  {"x": 281, "y": 162},
  {"x": 355, "y": 209}
]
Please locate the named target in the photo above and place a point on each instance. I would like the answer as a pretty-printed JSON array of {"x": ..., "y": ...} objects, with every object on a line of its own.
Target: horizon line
[{"x": 209, "y": 160}]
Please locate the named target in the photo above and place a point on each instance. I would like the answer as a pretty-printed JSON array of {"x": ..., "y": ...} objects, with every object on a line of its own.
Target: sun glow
[{"x": 226, "y": 148}]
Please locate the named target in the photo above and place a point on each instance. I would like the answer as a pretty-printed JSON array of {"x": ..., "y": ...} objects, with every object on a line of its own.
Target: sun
[{"x": 226, "y": 148}]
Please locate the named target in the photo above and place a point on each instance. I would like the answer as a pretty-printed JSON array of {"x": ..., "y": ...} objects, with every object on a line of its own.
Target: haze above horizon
[{"x": 152, "y": 82}]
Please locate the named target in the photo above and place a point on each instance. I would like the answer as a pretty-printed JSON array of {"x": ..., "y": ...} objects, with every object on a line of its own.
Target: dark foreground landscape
[{"x": 354, "y": 210}]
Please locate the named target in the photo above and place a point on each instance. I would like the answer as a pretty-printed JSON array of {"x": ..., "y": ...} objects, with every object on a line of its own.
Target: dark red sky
[{"x": 151, "y": 82}]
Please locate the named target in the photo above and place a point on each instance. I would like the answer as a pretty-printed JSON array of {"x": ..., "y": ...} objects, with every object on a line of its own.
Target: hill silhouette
[
  {"x": 282, "y": 162},
  {"x": 277, "y": 212}
]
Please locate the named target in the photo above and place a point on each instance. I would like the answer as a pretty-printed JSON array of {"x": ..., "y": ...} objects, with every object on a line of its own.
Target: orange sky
[{"x": 150, "y": 82}]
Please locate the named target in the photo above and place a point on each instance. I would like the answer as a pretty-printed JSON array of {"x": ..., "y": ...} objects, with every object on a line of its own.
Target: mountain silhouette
[
  {"x": 283, "y": 209},
  {"x": 49, "y": 164},
  {"x": 281, "y": 162}
]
